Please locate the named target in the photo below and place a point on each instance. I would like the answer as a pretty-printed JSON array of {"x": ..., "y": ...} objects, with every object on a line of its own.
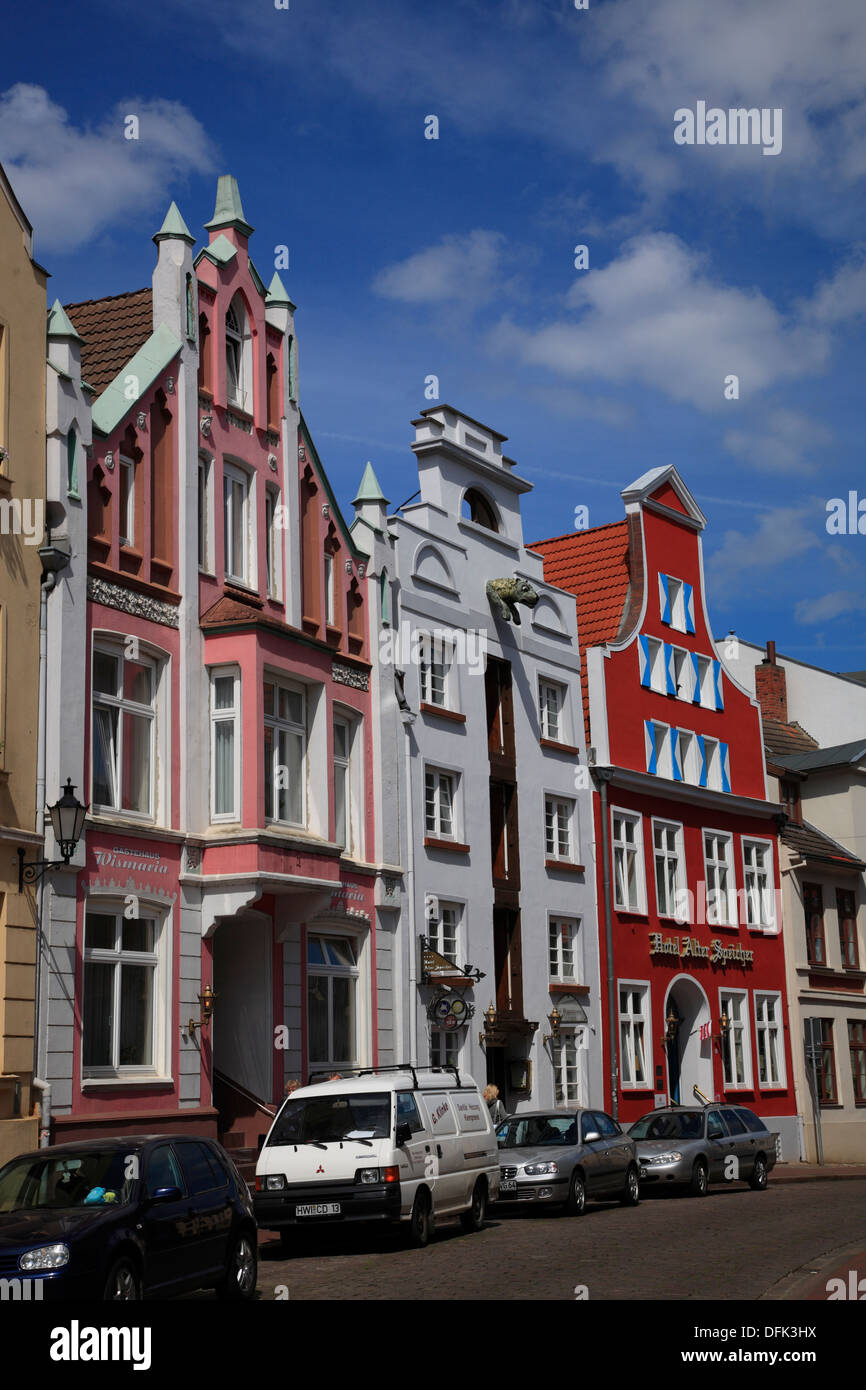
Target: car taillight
[{"x": 391, "y": 1174}]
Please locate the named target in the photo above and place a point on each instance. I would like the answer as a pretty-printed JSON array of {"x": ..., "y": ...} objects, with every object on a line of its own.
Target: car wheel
[
  {"x": 758, "y": 1180},
  {"x": 576, "y": 1196},
  {"x": 421, "y": 1221},
  {"x": 474, "y": 1218},
  {"x": 631, "y": 1195},
  {"x": 700, "y": 1179},
  {"x": 123, "y": 1283},
  {"x": 242, "y": 1268}
]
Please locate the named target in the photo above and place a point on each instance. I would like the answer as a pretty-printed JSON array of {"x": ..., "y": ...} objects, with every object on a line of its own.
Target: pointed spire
[
  {"x": 277, "y": 293},
  {"x": 174, "y": 226},
  {"x": 370, "y": 491},
  {"x": 59, "y": 325},
  {"x": 229, "y": 211}
]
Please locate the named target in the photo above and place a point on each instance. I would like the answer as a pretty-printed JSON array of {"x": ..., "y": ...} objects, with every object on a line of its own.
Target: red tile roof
[
  {"x": 592, "y": 565},
  {"x": 113, "y": 330},
  {"x": 782, "y": 738}
]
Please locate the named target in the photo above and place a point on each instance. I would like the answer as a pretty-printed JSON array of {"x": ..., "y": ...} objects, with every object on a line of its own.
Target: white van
[{"x": 394, "y": 1144}]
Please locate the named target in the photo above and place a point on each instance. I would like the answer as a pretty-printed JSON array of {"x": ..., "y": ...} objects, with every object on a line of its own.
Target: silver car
[
  {"x": 561, "y": 1157},
  {"x": 692, "y": 1147}
]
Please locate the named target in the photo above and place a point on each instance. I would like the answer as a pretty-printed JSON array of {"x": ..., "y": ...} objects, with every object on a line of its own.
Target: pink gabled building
[{"x": 208, "y": 692}]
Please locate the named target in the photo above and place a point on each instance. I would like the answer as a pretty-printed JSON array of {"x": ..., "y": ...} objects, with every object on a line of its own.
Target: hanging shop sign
[
  {"x": 684, "y": 947},
  {"x": 449, "y": 1011},
  {"x": 434, "y": 964}
]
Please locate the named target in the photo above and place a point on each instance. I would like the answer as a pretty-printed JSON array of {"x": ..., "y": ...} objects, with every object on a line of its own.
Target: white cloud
[
  {"x": 781, "y": 535},
  {"x": 73, "y": 182},
  {"x": 655, "y": 317},
  {"x": 841, "y": 298},
  {"x": 461, "y": 268},
  {"x": 833, "y": 605},
  {"x": 782, "y": 443}
]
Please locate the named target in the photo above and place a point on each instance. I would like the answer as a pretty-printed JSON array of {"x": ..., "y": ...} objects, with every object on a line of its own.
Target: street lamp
[{"x": 67, "y": 821}]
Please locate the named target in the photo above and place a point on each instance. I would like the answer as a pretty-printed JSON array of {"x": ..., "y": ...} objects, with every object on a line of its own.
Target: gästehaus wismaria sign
[{"x": 716, "y": 953}]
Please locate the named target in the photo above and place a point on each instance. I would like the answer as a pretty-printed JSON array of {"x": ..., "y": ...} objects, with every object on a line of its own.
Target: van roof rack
[{"x": 374, "y": 1071}]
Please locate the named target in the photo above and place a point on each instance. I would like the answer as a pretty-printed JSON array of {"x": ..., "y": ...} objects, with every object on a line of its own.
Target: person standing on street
[{"x": 494, "y": 1105}]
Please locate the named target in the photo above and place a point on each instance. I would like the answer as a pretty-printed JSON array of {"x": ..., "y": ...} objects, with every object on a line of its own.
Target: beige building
[
  {"x": 823, "y": 846},
  {"x": 22, "y": 501}
]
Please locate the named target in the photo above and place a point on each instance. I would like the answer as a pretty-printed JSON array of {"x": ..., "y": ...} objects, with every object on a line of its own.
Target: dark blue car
[{"x": 127, "y": 1218}]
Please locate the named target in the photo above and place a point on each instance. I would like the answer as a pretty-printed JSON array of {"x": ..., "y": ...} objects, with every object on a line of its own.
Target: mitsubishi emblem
[{"x": 320, "y": 1169}]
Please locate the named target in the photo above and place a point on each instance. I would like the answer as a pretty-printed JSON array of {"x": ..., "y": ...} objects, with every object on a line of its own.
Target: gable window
[
  {"x": 332, "y": 985},
  {"x": 715, "y": 764},
  {"x": 121, "y": 991},
  {"x": 126, "y": 480},
  {"x": 813, "y": 903},
  {"x": 225, "y": 745},
  {"x": 757, "y": 877},
  {"x": 669, "y": 869},
  {"x": 551, "y": 703},
  {"x": 124, "y": 719},
  {"x": 682, "y": 672},
  {"x": 439, "y": 788},
  {"x": 719, "y": 870},
  {"x": 771, "y": 1047},
  {"x": 676, "y": 601},
  {"x": 628, "y": 873},
  {"x": 736, "y": 1059},
  {"x": 847, "y": 910},
  {"x": 477, "y": 508},
  {"x": 558, "y": 838},
  {"x": 563, "y": 949},
  {"x": 633, "y": 1032},
  {"x": 651, "y": 659},
  {"x": 659, "y": 755},
  {"x": 238, "y": 356},
  {"x": 285, "y": 735},
  {"x": 236, "y": 491},
  {"x": 687, "y": 756}
]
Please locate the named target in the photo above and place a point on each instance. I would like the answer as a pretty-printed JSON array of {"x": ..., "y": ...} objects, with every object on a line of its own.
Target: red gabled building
[{"x": 687, "y": 840}]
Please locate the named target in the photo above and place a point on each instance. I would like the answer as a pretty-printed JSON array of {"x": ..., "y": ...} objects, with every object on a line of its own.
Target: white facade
[{"x": 830, "y": 707}]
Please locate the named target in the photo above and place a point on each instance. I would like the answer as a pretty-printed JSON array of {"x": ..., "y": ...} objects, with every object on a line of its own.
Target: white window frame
[
  {"x": 241, "y": 337},
  {"x": 436, "y": 922},
  {"x": 687, "y": 754},
  {"x": 676, "y": 599},
  {"x": 664, "y": 756},
  {"x": 621, "y": 844},
  {"x": 352, "y": 762},
  {"x": 295, "y": 729},
  {"x": 115, "y": 648},
  {"x": 553, "y": 710},
  {"x": 713, "y": 756},
  {"x": 764, "y": 1025},
  {"x": 435, "y": 677},
  {"x": 564, "y": 940},
  {"x": 731, "y": 918},
  {"x": 273, "y": 544},
  {"x": 767, "y": 896},
  {"x": 159, "y": 961},
  {"x": 564, "y": 1094},
  {"x": 126, "y": 524},
  {"x": 445, "y": 1047},
  {"x": 677, "y": 855},
  {"x": 228, "y": 715},
  {"x": 656, "y": 660},
  {"x": 204, "y": 518},
  {"x": 452, "y": 777},
  {"x": 683, "y": 673},
  {"x": 357, "y": 974},
  {"x": 330, "y": 592},
  {"x": 233, "y": 473},
  {"x": 742, "y": 1025},
  {"x": 626, "y": 1024},
  {"x": 560, "y": 816}
]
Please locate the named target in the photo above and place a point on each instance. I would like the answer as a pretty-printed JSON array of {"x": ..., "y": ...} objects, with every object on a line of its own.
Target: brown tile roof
[
  {"x": 113, "y": 330},
  {"x": 783, "y": 739},
  {"x": 810, "y": 843},
  {"x": 592, "y": 565}
]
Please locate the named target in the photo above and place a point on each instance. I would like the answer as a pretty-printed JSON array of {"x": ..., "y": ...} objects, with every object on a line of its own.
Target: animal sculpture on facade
[{"x": 505, "y": 594}]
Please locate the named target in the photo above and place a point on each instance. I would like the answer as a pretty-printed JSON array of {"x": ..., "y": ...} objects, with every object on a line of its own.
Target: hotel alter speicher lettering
[{"x": 716, "y": 953}]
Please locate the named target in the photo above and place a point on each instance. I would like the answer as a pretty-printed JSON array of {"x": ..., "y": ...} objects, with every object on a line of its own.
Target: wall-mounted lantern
[{"x": 67, "y": 821}]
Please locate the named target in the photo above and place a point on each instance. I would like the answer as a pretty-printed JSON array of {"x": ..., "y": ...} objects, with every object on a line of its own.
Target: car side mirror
[
  {"x": 166, "y": 1194},
  {"x": 403, "y": 1134},
  {"x": 591, "y": 1137}
]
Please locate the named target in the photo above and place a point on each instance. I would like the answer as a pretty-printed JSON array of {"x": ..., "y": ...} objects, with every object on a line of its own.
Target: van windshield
[{"x": 328, "y": 1119}]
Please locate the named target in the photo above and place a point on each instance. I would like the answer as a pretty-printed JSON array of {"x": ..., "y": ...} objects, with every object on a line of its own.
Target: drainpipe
[
  {"x": 49, "y": 580},
  {"x": 408, "y": 721},
  {"x": 602, "y": 776}
]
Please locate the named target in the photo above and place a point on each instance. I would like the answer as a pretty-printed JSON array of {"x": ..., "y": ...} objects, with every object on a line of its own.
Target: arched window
[
  {"x": 477, "y": 508},
  {"x": 238, "y": 357},
  {"x": 273, "y": 393}
]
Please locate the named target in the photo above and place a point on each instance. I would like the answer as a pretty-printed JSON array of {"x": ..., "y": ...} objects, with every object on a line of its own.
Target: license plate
[
  {"x": 319, "y": 1209},
  {"x": 508, "y": 1185}
]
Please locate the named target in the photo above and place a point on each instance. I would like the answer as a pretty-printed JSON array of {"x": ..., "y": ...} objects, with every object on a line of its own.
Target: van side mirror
[
  {"x": 260, "y": 1143},
  {"x": 403, "y": 1134}
]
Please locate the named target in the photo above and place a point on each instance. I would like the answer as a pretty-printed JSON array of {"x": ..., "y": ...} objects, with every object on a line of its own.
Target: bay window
[
  {"x": 236, "y": 539},
  {"x": 285, "y": 737},
  {"x": 225, "y": 743}
]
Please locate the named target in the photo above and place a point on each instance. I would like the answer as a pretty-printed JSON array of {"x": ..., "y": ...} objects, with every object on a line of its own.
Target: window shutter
[
  {"x": 689, "y": 606},
  {"x": 696, "y": 696},
  {"x": 643, "y": 659},
  {"x": 725, "y": 766},
  {"x": 670, "y": 683},
  {"x": 665, "y": 598},
  {"x": 649, "y": 726},
  {"x": 702, "y": 781},
  {"x": 675, "y": 755},
  {"x": 717, "y": 684}
]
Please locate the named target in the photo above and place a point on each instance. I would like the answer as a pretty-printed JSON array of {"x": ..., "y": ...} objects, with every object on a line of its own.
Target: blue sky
[{"x": 455, "y": 257}]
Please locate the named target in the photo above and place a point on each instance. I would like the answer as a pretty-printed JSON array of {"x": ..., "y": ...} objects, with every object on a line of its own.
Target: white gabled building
[{"x": 482, "y": 761}]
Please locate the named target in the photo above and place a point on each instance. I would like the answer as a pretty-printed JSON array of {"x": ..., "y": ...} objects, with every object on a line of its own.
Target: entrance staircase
[{"x": 242, "y": 1118}]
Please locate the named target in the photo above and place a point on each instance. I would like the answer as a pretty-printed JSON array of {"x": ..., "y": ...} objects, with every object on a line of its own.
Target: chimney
[{"x": 771, "y": 688}]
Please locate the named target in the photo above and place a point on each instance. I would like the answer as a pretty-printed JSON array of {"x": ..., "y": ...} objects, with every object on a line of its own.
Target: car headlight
[
  {"x": 45, "y": 1257},
  {"x": 662, "y": 1158},
  {"x": 275, "y": 1182},
  {"x": 367, "y": 1175},
  {"x": 535, "y": 1170}
]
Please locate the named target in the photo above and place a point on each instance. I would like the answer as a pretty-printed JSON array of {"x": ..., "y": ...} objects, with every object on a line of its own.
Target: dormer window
[
  {"x": 477, "y": 508},
  {"x": 238, "y": 363}
]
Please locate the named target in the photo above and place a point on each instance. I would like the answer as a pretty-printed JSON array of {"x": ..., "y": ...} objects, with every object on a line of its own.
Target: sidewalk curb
[{"x": 794, "y": 1286}]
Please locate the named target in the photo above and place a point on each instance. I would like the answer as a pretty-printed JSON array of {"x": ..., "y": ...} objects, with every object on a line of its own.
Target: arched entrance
[{"x": 689, "y": 1056}]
